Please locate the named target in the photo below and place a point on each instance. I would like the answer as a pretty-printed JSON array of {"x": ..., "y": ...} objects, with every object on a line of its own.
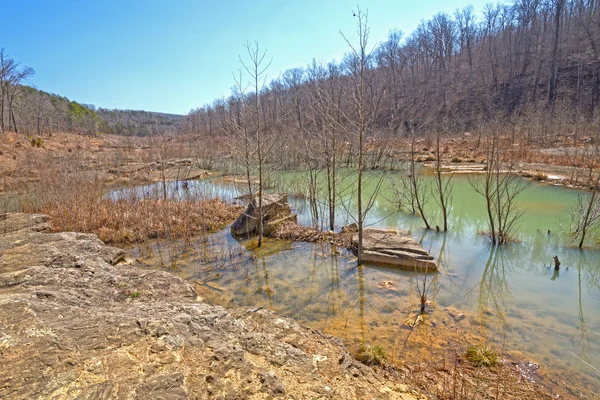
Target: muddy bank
[{"x": 77, "y": 321}]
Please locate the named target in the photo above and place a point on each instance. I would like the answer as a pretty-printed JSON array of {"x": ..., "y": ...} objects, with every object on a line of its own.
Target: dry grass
[
  {"x": 465, "y": 382},
  {"x": 77, "y": 201},
  {"x": 134, "y": 221}
]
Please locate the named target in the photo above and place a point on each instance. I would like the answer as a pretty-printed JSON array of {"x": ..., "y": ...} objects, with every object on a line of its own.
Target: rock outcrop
[
  {"x": 276, "y": 212},
  {"x": 77, "y": 322},
  {"x": 388, "y": 247}
]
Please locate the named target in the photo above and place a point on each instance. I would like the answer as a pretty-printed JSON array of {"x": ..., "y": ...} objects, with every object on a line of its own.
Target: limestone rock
[
  {"x": 276, "y": 211},
  {"x": 388, "y": 247},
  {"x": 15, "y": 222}
]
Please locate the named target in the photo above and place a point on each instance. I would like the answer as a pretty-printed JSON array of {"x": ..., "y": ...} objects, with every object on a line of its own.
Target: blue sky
[{"x": 172, "y": 56}]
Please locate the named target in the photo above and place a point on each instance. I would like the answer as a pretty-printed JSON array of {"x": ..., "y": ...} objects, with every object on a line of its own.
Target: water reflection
[{"x": 494, "y": 291}]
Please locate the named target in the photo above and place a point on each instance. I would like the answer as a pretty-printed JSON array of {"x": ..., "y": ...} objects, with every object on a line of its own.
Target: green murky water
[{"x": 510, "y": 296}]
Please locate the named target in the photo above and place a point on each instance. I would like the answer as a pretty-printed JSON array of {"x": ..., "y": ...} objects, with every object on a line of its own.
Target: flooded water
[{"x": 510, "y": 297}]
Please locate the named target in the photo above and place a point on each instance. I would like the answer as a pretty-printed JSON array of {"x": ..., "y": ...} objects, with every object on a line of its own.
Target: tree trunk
[{"x": 553, "y": 65}]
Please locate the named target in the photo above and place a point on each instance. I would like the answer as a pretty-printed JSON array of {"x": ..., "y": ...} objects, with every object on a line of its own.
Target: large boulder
[
  {"x": 387, "y": 246},
  {"x": 276, "y": 211}
]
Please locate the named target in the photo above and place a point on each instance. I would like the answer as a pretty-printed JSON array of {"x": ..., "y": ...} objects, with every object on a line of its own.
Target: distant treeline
[
  {"x": 138, "y": 123},
  {"x": 27, "y": 110},
  {"x": 528, "y": 62}
]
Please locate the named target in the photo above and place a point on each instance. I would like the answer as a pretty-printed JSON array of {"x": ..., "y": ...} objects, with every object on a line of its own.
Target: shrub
[
  {"x": 540, "y": 176},
  {"x": 482, "y": 356},
  {"x": 371, "y": 355},
  {"x": 456, "y": 160}
]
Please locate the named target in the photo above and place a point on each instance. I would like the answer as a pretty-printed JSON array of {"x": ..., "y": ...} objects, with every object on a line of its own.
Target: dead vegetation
[
  {"x": 76, "y": 200},
  {"x": 292, "y": 231},
  {"x": 461, "y": 381},
  {"x": 134, "y": 221}
]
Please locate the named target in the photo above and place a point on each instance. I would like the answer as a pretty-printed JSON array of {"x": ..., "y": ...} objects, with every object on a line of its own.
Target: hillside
[
  {"x": 31, "y": 111},
  {"x": 530, "y": 64},
  {"x": 138, "y": 122},
  {"x": 36, "y": 112}
]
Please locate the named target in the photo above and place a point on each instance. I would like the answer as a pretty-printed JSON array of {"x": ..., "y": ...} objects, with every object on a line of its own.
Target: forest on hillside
[
  {"x": 27, "y": 110},
  {"x": 533, "y": 64},
  {"x": 30, "y": 111},
  {"x": 138, "y": 122}
]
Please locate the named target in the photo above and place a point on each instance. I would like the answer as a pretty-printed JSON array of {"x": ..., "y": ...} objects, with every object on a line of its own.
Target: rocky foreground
[{"x": 76, "y": 321}]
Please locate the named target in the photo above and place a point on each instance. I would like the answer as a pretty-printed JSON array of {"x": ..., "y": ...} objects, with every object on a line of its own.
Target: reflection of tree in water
[
  {"x": 263, "y": 278},
  {"x": 494, "y": 295},
  {"x": 417, "y": 332},
  {"x": 582, "y": 335},
  {"x": 334, "y": 295}
]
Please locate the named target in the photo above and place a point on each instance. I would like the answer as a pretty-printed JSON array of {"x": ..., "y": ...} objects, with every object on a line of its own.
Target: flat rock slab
[
  {"x": 389, "y": 247},
  {"x": 75, "y": 325},
  {"x": 15, "y": 222}
]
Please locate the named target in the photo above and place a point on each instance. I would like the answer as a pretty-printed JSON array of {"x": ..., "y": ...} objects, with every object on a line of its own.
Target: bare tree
[
  {"x": 499, "y": 187},
  {"x": 418, "y": 188},
  {"x": 12, "y": 74},
  {"x": 256, "y": 67},
  {"x": 362, "y": 124},
  {"x": 559, "y": 5},
  {"x": 443, "y": 183},
  {"x": 585, "y": 215}
]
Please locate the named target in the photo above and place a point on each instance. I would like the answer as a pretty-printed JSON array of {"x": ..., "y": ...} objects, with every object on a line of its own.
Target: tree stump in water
[{"x": 556, "y": 263}]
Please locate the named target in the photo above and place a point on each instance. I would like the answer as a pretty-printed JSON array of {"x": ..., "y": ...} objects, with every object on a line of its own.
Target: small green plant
[
  {"x": 482, "y": 356},
  {"x": 371, "y": 355},
  {"x": 36, "y": 142},
  {"x": 134, "y": 295}
]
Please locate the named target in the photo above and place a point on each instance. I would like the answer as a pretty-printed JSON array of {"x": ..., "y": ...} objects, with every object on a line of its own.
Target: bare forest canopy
[{"x": 527, "y": 62}]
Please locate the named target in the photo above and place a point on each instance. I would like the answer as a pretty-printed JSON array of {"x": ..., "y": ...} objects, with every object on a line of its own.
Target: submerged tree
[
  {"x": 585, "y": 215},
  {"x": 411, "y": 191},
  {"x": 443, "y": 184},
  {"x": 325, "y": 96},
  {"x": 499, "y": 187},
  {"x": 256, "y": 67},
  {"x": 365, "y": 99},
  {"x": 360, "y": 58}
]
